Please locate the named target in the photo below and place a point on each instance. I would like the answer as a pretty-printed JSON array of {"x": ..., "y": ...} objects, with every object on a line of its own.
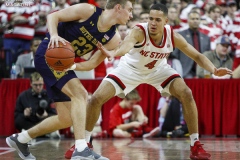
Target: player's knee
[
  {"x": 186, "y": 94},
  {"x": 96, "y": 101},
  {"x": 82, "y": 96}
]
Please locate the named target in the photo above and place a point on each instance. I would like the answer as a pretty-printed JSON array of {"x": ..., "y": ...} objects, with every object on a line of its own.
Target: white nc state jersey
[{"x": 146, "y": 56}]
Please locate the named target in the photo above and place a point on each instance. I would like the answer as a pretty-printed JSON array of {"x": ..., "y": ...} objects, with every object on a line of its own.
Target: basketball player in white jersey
[{"x": 145, "y": 51}]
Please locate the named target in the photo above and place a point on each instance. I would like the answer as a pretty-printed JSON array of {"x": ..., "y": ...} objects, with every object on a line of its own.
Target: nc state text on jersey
[{"x": 155, "y": 55}]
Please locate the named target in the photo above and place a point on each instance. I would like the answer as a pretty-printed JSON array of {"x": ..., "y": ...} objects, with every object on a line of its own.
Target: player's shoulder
[
  {"x": 137, "y": 30},
  {"x": 86, "y": 9},
  {"x": 140, "y": 27}
]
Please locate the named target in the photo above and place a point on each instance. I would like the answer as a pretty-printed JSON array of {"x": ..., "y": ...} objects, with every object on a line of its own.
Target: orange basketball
[{"x": 61, "y": 57}]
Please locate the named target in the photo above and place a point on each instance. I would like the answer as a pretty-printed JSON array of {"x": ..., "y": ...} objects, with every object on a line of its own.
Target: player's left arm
[{"x": 199, "y": 58}]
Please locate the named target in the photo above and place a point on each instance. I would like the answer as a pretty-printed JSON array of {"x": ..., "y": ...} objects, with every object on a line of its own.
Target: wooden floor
[{"x": 127, "y": 149}]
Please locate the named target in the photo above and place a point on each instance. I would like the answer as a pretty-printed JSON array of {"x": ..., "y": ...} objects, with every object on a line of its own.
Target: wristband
[{"x": 73, "y": 67}]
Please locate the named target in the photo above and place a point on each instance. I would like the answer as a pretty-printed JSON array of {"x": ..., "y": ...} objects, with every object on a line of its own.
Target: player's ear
[
  {"x": 118, "y": 7},
  {"x": 166, "y": 21}
]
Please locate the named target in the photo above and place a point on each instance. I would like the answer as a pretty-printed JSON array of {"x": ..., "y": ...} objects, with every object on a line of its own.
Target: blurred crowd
[{"x": 211, "y": 26}]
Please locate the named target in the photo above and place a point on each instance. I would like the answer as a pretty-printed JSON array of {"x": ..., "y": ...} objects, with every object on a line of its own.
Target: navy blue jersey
[{"x": 84, "y": 36}]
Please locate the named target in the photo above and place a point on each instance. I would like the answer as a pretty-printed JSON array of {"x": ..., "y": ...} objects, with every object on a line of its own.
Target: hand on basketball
[
  {"x": 107, "y": 53},
  {"x": 54, "y": 41},
  {"x": 222, "y": 72}
]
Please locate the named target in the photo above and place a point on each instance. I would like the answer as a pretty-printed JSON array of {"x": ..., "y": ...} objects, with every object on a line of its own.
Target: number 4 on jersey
[{"x": 151, "y": 64}]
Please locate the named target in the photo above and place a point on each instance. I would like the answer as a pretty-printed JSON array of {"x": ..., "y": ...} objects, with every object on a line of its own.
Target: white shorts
[{"x": 125, "y": 79}]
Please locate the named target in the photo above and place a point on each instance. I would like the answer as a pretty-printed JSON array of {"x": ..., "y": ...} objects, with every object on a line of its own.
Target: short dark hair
[
  {"x": 35, "y": 39},
  {"x": 160, "y": 7},
  {"x": 111, "y": 3},
  {"x": 194, "y": 11},
  {"x": 212, "y": 8},
  {"x": 35, "y": 76}
]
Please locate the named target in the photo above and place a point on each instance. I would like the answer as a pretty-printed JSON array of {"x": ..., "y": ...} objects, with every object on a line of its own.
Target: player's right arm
[{"x": 79, "y": 12}]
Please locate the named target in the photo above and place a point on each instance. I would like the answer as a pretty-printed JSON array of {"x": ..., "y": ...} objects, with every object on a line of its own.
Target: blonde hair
[
  {"x": 111, "y": 3},
  {"x": 133, "y": 95},
  {"x": 35, "y": 76}
]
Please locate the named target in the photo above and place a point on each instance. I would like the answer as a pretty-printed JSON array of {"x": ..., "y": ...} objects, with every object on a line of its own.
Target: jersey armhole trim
[
  {"x": 140, "y": 45},
  {"x": 172, "y": 38}
]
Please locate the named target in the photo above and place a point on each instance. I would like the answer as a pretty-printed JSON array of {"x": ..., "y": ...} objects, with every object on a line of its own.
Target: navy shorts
[{"x": 53, "y": 80}]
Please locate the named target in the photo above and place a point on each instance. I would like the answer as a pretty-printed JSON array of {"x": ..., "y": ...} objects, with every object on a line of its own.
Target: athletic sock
[
  {"x": 80, "y": 144},
  {"x": 24, "y": 137},
  {"x": 88, "y": 136},
  {"x": 194, "y": 137}
]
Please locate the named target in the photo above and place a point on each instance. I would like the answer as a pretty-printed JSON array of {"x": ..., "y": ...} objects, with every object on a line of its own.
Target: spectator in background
[
  {"x": 230, "y": 24},
  {"x": 27, "y": 60},
  {"x": 198, "y": 40},
  {"x": 137, "y": 9},
  {"x": 41, "y": 27},
  {"x": 144, "y": 16},
  {"x": 127, "y": 118},
  {"x": 177, "y": 4},
  {"x": 219, "y": 57},
  {"x": 60, "y": 4},
  {"x": 146, "y": 4},
  {"x": 205, "y": 5},
  {"x": 175, "y": 64},
  {"x": 173, "y": 18},
  {"x": 171, "y": 122},
  {"x": 212, "y": 28},
  {"x": 223, "y": 7},
  {"x": 133, "y": 22},
  {"x": 33, "y": 105},
  {"x": 20, "y": 23},
  {"x": 186, "y": 8}
]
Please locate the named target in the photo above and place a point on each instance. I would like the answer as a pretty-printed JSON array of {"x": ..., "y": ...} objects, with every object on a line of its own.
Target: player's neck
[
  {"x": 157, "y": 38},
  {"x": 105, "y": 21}
]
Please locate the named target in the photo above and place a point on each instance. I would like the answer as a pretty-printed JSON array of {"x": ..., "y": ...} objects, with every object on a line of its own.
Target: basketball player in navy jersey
[
  {"x": 82, "y": 25},
  {"x": 145, "y": 51}
]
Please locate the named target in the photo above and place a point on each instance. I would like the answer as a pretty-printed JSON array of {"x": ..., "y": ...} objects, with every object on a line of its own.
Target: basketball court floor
[{"x": 131, "y": 149}]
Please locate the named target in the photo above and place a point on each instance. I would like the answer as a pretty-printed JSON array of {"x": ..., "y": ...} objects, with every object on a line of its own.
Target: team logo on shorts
[{"x": 57, "y": 74}]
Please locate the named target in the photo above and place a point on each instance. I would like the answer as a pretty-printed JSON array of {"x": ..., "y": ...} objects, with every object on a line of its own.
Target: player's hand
[
  {"x": 107, "y": 53},
  {"x": 222, "y": 72},
  {"x": 54, "y": 41}
]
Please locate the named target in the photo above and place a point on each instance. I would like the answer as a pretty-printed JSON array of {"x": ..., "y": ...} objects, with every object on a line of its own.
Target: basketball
[{"x": 61, "y": 57}]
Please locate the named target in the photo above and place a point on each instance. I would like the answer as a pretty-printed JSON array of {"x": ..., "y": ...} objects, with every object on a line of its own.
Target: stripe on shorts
[
  {"x": 117, "y": 80},
  {"x": 165, "y": 83}
]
